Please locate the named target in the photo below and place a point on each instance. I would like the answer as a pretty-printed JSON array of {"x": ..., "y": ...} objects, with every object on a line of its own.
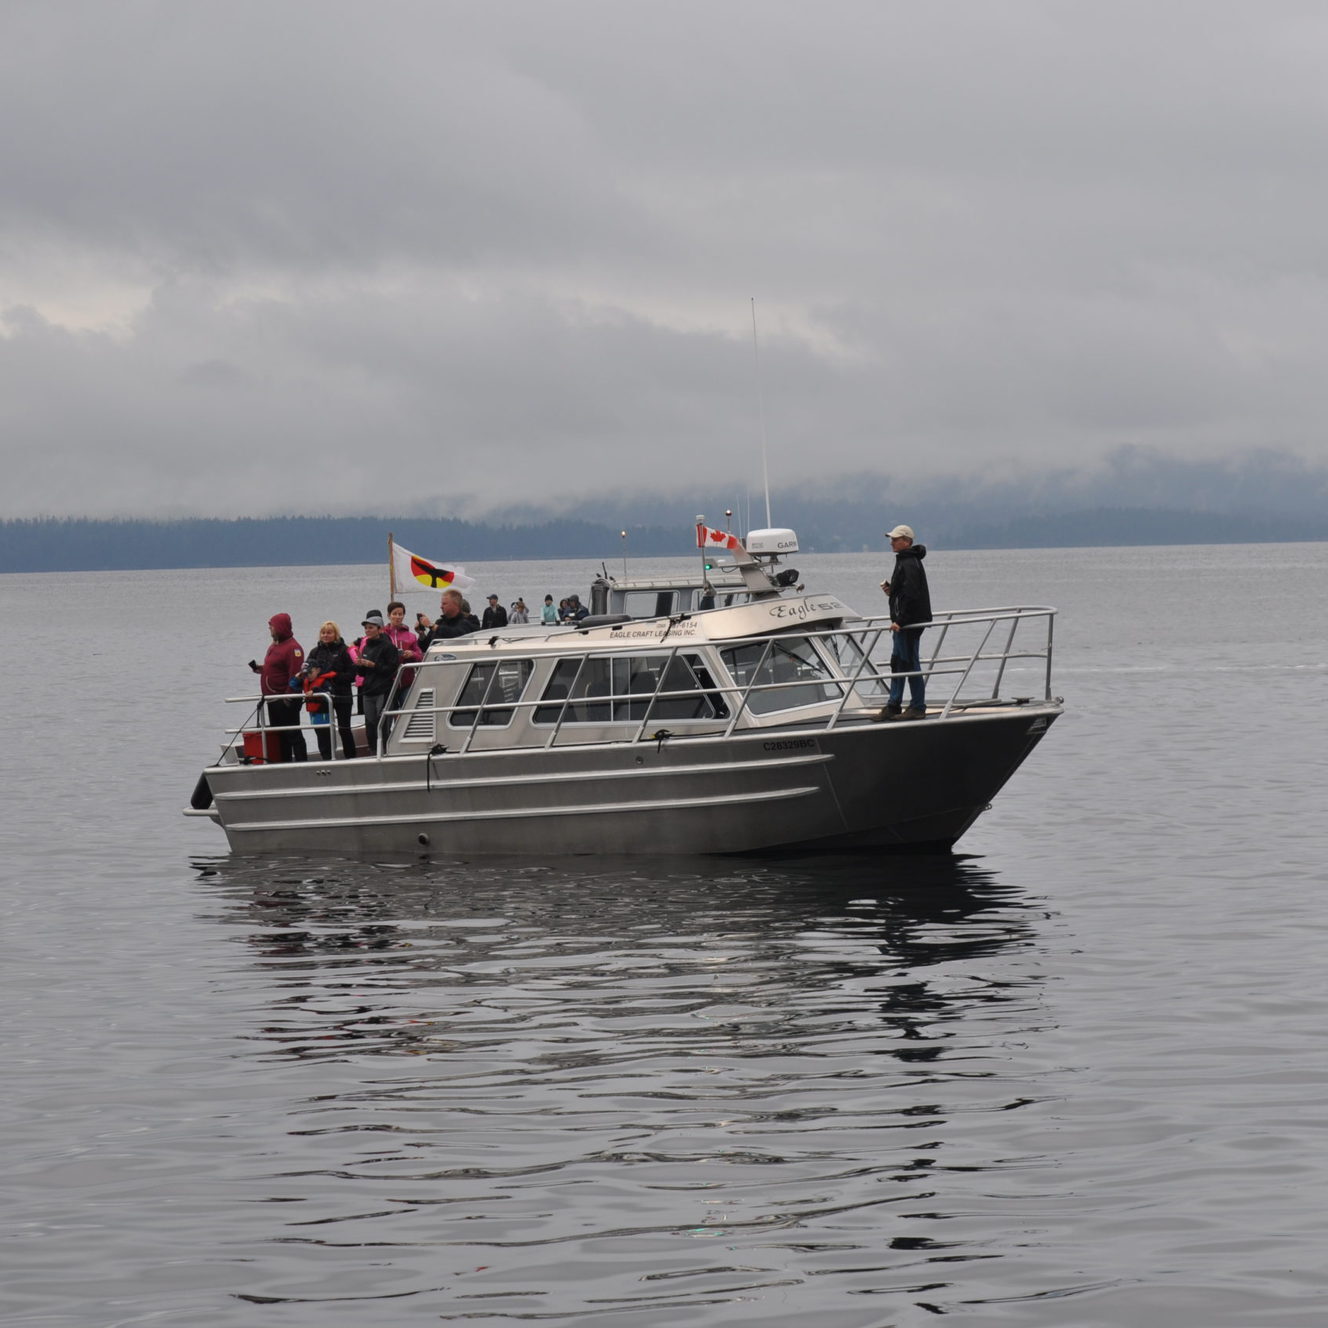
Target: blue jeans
[{"x": 906, "y": 657}]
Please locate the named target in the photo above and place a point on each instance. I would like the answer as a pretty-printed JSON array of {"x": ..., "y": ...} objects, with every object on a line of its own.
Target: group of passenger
[
  {"x": 370, "y": 663},
  {"x": 367, "y": 667},
  {"x": 333, "y": 671},
  {"x": 568, "y": 610}
]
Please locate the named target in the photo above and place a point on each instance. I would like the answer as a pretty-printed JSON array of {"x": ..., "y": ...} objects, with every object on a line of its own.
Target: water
[{"x": 1072, "y": 1075}]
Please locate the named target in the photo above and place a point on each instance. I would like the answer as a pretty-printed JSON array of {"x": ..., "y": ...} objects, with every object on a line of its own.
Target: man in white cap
[{"x": 910, "y": 605}]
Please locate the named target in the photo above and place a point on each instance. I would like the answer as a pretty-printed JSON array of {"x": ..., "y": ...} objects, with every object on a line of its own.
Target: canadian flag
[{"x": 716, "y": 539}]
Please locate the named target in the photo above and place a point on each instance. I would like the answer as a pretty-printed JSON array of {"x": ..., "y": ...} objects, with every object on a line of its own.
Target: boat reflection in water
[{"x": 563, "y": 1076}]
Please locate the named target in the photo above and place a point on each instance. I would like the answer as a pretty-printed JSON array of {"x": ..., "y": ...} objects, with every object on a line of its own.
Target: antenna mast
[{"x": 760, "y": 408}]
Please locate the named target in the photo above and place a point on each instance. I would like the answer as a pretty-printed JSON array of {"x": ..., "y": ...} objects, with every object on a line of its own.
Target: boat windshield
[
  {"x": 783, "y": 673},
  {"x": 847, "y": 652}
]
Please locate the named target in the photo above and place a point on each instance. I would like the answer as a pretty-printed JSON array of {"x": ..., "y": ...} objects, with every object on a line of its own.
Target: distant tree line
[
  {"x": 80, "y": 544},
  {"x": 49, "y": 544}
]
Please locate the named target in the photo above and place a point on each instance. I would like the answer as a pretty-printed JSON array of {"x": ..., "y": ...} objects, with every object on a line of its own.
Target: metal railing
[
  {"x": 847, "y": 692},
  {"x": 257, "y": 720},
  {"x": 850, "y": 691}
]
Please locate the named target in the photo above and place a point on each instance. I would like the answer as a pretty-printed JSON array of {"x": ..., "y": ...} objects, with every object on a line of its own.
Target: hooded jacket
[
  {"x": 284, "y": 658},
  {"x": 910, "y": 600}
]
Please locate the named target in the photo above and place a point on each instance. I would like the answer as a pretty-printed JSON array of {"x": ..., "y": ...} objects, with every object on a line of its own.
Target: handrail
[
  {"x": 869, "y": 631},
  {"x": 258, "y": 717},
  {"x": 840, "y": 676}
]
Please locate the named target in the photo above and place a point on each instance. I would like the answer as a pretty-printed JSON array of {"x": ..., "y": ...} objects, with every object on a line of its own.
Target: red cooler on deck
[{"x": 261, "y": 747}]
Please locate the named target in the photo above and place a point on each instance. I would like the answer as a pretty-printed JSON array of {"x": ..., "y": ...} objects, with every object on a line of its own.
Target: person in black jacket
[
  {"x": 910, "y": 605},
  {"x": 377, "y": 664},
  {"x": 328, "y": 667},
  {"x": 495, "y": 615},
  {"x": 453, "y": 621}
]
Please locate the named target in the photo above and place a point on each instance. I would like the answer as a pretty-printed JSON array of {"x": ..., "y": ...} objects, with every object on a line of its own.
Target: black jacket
[
  {"x": 378, "y": 680},
  {"x": 334, "y": 659},
  {"x": 494, "y": 617},
  {"x": 910, "y": 600},
  {"x": 447, "y": 628}
]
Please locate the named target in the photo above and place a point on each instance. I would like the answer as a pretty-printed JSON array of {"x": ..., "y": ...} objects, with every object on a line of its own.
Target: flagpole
[{"x": 391, "y": 567}]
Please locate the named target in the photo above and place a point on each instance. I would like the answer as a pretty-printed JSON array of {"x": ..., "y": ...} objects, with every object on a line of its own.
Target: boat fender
[{"x": 201, "y": 798}]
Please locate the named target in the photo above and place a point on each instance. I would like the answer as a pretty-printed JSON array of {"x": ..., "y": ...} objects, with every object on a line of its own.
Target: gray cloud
[{"x": 418, "y": 256}]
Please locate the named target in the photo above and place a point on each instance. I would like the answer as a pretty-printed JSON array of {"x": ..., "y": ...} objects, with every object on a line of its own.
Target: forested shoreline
[{"x": 50, "y": 544}]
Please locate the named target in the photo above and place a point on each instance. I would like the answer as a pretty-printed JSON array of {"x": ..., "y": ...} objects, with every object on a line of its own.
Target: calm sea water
[{"x": 1074, "y": 1074}]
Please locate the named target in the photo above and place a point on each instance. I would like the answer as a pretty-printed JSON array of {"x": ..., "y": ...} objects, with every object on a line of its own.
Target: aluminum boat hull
[{"x": 860, "y": 784}]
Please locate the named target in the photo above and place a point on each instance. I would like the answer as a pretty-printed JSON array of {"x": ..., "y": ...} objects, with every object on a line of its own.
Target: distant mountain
[{"x": 1135, "y": 497}]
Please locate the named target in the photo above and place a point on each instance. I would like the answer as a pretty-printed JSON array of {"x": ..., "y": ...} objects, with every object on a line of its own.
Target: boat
[{"x": 733, "y": 712}]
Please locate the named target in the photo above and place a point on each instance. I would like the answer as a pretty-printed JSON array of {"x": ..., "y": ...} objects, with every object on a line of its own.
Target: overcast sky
[{"x": 314, "y": 255}]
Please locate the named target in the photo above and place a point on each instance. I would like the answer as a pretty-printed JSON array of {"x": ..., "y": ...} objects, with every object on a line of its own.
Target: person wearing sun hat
[{"x": 910, "y": 610}]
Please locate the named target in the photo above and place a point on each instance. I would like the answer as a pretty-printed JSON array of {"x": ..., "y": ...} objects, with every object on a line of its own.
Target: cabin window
[
  {"x": 788, "y": 671},
  {"x": 648, "y": 603},
  {"x": 490, "y": 684},
  {"x": 720, "y": 599},
  {"x": 622, "y": 689}
]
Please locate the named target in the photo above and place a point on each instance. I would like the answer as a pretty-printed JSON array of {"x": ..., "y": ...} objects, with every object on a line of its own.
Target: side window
[
  {"x": 572, "y": 680},
  {"x": 490, "y": 683},
  {"x": 687, "y": 692},
  {"x": 579, "y": 692},
  {"x": 628, "y": 688},
  {"x": 648, "y": 603}
]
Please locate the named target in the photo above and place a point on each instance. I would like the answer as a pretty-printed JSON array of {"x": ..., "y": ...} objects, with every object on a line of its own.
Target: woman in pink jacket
[
  {"x": 396, "y": 631},
  {"x": 407, "y": 643}
]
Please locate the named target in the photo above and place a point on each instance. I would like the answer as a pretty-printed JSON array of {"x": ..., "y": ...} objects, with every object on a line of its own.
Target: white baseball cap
[{"x": 900, "y": 532}]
